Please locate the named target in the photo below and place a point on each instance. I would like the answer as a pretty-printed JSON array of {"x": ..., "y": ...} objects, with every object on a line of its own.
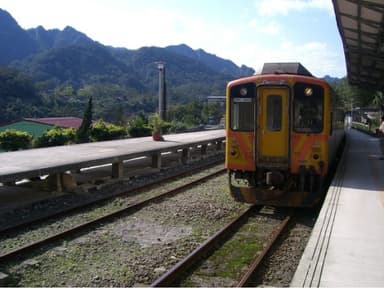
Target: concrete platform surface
[
  {"x": 346, "y": 248},
  {"x": 34, "y": 162}
]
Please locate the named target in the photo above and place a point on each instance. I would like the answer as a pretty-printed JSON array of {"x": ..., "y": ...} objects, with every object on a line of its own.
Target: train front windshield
[
  {"x": 242, "y": 107},
  {"x": 308, "y": 108}
]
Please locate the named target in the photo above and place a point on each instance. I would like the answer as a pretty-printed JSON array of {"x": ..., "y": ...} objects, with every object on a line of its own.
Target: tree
[
  {"x": 211, "y": 110},
  {"x": 18, "y": 96},
  {"x": 13, "y": 140},
  {"x": 355, "y": 96},
  {"x": 119, "y": 116},
  {"x": 82, "y": 133}
]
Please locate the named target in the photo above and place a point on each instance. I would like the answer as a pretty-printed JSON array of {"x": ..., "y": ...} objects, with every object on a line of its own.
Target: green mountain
[
  {"x": 55, "y": 38},
  {"x": 216, "y": 63},
  {"x": 65, "y": 67},
  {"x": 18, "y": 96},
  {"x": 15, "y": 42}
]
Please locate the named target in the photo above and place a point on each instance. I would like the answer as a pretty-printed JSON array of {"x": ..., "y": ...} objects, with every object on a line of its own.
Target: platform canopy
[{"x": 361, "y": 26}]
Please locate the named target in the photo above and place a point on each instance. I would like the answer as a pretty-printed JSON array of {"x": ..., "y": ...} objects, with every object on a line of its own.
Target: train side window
[
  {"x": 274, "y": 112},
  {"x": 242, "y": 114},
  {"x": 242, "y": 107},
  {"x": 308, "y": 108}
]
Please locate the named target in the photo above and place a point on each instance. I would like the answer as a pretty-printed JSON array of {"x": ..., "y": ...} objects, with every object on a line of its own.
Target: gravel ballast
[{"x": 134, "y": 250}]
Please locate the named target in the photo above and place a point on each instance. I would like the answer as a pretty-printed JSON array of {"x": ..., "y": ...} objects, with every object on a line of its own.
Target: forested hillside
[{"x": 63, "y": 68}]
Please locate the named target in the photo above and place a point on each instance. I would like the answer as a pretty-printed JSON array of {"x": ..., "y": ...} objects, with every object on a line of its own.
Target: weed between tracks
[{"x": 225, "y": 266}]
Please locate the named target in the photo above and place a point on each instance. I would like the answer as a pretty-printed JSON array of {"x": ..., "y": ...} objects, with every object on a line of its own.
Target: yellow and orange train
[{"x": 284, "y": 128}]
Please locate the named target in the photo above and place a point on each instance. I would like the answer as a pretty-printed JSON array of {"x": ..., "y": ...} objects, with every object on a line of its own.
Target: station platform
[
  {"x": 38, "y": 174},
  {"x": 37, "y": 162},
  {"x": 346, "y": 247}
]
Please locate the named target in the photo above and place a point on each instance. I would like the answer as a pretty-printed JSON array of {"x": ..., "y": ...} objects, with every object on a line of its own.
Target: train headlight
[
  {"x": 308, "y": 91},
  {"x": 243, "y": 91},
  {"x": 234, "y": 151},
  {"x": 316, "y": 156}
]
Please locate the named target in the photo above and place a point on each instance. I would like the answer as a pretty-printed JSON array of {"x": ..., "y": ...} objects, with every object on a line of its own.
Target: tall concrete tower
[{"x": 162, "y": 91}]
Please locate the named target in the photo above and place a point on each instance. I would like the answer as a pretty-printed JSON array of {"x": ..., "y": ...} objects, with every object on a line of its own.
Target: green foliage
[
  {"x": 13, "y": 140},
  {"x": 177, "y": 126},
  {"x": 353, "y": 95},
  {"x": 211, "y": 110},
  {"x": 67, "y": 76},
  {"x": 55, "y": 137},
  {"x": 18, "y": 96},
  {"x": 192, "y": 114},
  {"x": 101, "y": 131},
  {"x": 166, "y": 127},
  {"x": 135, "y": 131},
  {"x": 82, "y": 133},
  {"x": 157, "y": 124},
  {"x": 76, "y": 64},
  {"x": 139, "y": 127},
  {"x": 15, "y": 84},
  {"x": 139, "y": 120}
]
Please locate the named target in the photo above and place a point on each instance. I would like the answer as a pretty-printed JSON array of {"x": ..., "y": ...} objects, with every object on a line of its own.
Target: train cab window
[
  {"x": 242, "y": 108},
  {"x": 274, "y": 112},
  {"x": 308, "y": 108}
]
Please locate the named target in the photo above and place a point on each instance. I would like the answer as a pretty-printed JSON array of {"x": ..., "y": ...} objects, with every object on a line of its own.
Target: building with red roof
[
  {"x": 64, "y": 122},
  {"x": 37, "y": 126}
]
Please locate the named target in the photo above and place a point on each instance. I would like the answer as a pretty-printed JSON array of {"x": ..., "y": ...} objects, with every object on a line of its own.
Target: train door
[{"x": 273, "y": 133}]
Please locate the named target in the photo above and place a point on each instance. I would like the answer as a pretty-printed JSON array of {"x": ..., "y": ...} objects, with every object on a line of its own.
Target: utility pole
[{"x": 162, "y": 91}]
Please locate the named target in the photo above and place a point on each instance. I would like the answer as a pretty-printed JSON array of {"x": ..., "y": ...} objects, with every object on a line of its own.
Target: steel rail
[
  {"x": 169, "y": 278},
  {"x": 260, "y": 257},
  {"x": 131, "y": 208}
]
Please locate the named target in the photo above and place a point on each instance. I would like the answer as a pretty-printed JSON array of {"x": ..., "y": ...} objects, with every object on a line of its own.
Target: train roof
[{"x": 285, "y": 68}]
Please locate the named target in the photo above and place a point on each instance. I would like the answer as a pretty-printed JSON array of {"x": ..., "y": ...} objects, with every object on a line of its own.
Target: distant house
[
  {"x": 216, "y": 99},
  {"x": 37, "y": 126}
]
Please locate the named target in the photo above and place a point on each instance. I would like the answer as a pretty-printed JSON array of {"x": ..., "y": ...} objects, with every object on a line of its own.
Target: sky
[{"x": 249, "y": 32}]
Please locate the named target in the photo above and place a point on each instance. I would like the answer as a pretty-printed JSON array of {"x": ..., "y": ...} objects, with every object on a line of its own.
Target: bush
[
  {"x": 139, "y": 131},
  {"x": 177, "y": 126},
  {"x": 139, "y": 127},
  {"x": 101, "y": 131},
  {"x": 142, "y": 125},
  {"x": 166, "y": 127},
  {"x": 13, "y": 140},
  {"x": 56, "y": 136}
]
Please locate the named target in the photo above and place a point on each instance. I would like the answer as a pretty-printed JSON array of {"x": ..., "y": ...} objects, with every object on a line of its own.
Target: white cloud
[
  {"x": 315, "y": 56},
  {"x": 271, "y": 28},
  {"x": 276, "y": 7}
]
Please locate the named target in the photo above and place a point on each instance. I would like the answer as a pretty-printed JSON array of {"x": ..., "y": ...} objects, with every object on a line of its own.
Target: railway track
[
  {"x": 193, "y": 266},
  {"x": 255, "y": 265},
  {"x": 100, "y": 199},
  {"x": 6, "y": 255},
  {"x": 133, "y": 250}
]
